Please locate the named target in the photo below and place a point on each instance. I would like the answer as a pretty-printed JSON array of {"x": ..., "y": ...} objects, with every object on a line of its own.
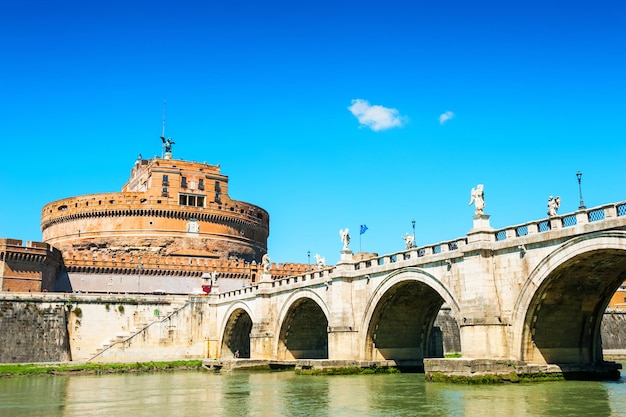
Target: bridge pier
[
  {"x": 261, "y": 336},
  {"x": 342, "y": 343},
  {"x": 441, "y": 370},
  {"x": 484, "y": 338},
  {"x": 261, "y": 342}
]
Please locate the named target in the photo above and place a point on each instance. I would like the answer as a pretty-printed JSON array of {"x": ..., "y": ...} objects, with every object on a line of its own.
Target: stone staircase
[{"x": 123, "y": 337}]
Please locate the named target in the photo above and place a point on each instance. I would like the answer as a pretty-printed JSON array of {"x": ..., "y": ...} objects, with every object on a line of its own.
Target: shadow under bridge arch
[
  {"x": 304, "y": 329},
  {"x": 236, "y": 334},
  {"x": 560, "y": 309},
  {"x": 400, "y": 318}
]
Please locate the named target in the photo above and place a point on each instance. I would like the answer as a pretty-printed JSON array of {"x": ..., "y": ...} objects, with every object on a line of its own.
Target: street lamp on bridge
[{"x": 579, "y": 176}]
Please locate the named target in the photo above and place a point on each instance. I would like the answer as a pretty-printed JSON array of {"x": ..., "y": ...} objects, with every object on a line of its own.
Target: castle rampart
[{"x": 30, "y": 267}]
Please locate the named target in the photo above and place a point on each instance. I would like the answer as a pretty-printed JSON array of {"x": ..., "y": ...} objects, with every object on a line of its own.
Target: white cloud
[
  {"x": 444, "y": 117},
  {"x": 375, "y": 117}
]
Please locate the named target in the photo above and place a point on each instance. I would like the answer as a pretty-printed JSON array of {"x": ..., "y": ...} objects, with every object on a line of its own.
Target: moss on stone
[
  {"x": 493, "y": 379},
  {"x": 349, "y": 370},
  {"x": 10, "y": 370}
]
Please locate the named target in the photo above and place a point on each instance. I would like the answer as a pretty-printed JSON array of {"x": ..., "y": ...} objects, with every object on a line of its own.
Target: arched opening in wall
[
  {"x": 401, "y": 327},
  {"x": 236, "y": 340},
  {"x": 304, "y": 332},
  {"x": 563, "y": 322}
]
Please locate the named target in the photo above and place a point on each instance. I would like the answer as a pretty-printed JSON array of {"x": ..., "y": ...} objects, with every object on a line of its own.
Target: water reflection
[
  {"x": 33, "y": 396},
  {"x": 287, "y": 394}
]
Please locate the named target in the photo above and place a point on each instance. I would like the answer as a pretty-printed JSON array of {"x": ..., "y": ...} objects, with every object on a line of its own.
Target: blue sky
[{"x": 326, "y": 114}]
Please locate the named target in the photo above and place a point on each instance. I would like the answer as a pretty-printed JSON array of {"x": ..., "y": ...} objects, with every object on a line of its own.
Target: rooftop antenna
[
  {"x": 166, "y": 150},
  {"x": 163, "y": 128}
]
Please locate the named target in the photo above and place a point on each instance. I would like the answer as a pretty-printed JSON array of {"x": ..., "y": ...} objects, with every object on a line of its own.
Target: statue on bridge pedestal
[
  {"x": 345, "y": 238},
  {"x": 478, "y": 199},
  {"x": 320, "y": 261},
  {"x": 408, "y": 241},
  {"x": 265, "y": 262},
  {"x": 553, "y": 206}
]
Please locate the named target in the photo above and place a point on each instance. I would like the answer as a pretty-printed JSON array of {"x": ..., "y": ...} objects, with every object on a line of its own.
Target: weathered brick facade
[{"x": 28, "y": 268}]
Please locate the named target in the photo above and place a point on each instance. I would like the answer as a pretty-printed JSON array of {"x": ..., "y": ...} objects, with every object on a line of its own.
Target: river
[{"x": 286, "y": 394}]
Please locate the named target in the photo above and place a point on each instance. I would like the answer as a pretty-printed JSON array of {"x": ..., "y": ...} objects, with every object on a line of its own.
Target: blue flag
[{"x": 363, "y": 228}]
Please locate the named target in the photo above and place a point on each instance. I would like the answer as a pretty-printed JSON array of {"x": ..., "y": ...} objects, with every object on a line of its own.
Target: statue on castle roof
[
  {"x": 478, "y": 199},
  {"x": 168, "y": 144}
]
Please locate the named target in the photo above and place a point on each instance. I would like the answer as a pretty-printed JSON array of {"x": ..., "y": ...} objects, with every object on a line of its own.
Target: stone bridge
[{"x": 534, "y": 292}]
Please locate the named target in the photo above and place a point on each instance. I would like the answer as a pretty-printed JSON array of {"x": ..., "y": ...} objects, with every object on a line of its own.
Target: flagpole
[{"x": 362, "y": 230}]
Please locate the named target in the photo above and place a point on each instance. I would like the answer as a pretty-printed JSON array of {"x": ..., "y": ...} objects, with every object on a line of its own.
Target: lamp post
[
  {"x": 308, "y": 254},
  {"x": 413, "y": 223},
  {"x": 579, "y": 176}
]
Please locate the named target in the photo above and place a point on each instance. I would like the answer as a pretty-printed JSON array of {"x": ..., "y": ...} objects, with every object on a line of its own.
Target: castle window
[
  {"x": 217, "y": 192},
  {"x": 191, "y": 200},
  {"x": 183, "y": 182},
  {"x": 200, "y": 184},
  {"x": 166, "y": 180},
  {"x": 164, "y": 192}
]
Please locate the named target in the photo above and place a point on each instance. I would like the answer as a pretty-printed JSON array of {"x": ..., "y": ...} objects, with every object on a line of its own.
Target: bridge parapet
[
  {"x": 281, "y": 283},
  {"x": 429, "y": 253},
  {"x": 580, "y": 217}
]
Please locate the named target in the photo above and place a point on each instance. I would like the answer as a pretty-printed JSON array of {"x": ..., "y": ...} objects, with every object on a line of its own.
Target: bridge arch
[
  {"x": 235, "y": 331},
  {"x": 558, "y": 313},
  {"x": 399, "y": 316},
  {"x": 303, "y": 327}
]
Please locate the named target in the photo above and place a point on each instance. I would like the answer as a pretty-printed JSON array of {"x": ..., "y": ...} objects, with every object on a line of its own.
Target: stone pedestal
[
  {"x": 346, "y": 255},
  {"x": 168, "y": 155},
  {"x": 346, "y": 260},
  {"x": 266, "y": 277},
  {"x": 482, "y": 230}
]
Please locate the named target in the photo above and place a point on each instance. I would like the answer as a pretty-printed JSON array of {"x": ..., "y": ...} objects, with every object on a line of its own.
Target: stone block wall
[
  {"x": 33, "y": 332},
  {"x": 614, "y": 329}
]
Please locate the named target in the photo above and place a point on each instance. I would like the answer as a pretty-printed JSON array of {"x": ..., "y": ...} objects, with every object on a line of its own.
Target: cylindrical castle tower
[{"x": 168, "y": 208}]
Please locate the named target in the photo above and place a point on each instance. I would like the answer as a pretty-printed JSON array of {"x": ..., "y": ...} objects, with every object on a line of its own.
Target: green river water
[{"x": 286, "y": 394}]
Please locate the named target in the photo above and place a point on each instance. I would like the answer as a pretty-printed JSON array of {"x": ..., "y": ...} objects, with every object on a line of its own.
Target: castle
[{"x": 173, "y": 228}]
